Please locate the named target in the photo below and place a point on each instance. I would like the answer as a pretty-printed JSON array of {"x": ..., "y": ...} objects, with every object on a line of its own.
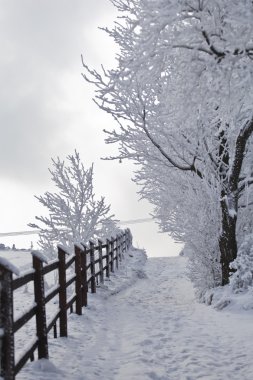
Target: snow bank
[
  {"x": 223, "y": 297},
  {"x": 45, "y": 366},
  {"x": 130, "y": 270},
  {"x": 238, "y": 294}
]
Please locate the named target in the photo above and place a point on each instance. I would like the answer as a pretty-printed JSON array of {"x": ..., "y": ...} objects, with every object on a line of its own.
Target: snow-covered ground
[{"x": 146, "y": 324}]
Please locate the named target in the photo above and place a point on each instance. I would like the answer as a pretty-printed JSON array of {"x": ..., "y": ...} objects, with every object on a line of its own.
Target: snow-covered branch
[
  {"x": 182, "y": 94},
  {"x": 75, "y": 215}
]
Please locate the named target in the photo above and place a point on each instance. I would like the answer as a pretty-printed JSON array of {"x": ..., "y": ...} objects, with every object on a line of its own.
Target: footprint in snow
[{"x": 146, "y": 342}]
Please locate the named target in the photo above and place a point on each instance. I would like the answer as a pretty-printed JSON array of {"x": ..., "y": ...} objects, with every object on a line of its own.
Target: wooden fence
[{"x": 91, "y": 263}]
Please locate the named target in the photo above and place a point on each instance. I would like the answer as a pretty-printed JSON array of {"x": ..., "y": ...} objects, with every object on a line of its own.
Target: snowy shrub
[{"x": 243, "y": 266}]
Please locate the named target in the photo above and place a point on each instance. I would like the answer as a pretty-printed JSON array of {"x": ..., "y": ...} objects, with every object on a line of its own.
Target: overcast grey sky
[{"x": 47, "y": 111}]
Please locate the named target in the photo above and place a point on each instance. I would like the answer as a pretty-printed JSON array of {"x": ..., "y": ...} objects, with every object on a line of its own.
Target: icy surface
[{"x": 146, "y": 324}]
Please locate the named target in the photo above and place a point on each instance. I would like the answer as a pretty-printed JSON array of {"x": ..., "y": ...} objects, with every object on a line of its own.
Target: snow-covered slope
[{"x": 146, "y": 324}]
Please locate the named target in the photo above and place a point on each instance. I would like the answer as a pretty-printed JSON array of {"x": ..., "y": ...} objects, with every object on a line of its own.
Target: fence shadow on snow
[{"x": 90, "y": 264}]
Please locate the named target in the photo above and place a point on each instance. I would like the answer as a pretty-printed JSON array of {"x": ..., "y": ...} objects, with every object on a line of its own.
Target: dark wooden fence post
[
  {"x": 120, "y": 247},
  {"x": 101, "y": 270},
  {"x": 92, "y": 268},
  {"x": 124, "y": 241},
  {"x": 84, "y": 276},
  {"x": 112, "y": 254},
  {"x": 117, "y": 252},
  {"x": 55, "y": 331},
  {"x": 62, "y": 292},
  {"x": 128, "y": 238},
  {"x": 107, "y": 270},
  {"x": 78, "y": 270},
  {"x": 39, "y": 297},
  {"x": 7, "y": 364}
]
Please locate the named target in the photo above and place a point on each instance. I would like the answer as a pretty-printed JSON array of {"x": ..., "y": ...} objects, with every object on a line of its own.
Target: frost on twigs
[
  {"x": 182, "y": 96},
  {"x": 74, "y": 213}
]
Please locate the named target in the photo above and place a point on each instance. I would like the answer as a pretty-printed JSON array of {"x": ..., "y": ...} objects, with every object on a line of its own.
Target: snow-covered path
[{"x": 153, "y": 329}]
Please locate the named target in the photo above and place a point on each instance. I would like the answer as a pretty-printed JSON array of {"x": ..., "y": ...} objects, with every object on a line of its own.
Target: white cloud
[{"x": 46, "y": 106}]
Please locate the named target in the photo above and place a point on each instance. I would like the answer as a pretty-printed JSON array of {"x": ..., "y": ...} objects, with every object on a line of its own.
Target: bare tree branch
[{"x": 165, "y": 155}]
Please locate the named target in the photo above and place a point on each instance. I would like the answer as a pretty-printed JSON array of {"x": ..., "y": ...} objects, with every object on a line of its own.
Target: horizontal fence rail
[{"x": 89, "y": 263}]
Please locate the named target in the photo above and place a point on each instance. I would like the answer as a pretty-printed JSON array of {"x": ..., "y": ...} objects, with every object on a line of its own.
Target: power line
[
  {"x": 36, "y": 232},
  {"x": 135, "y": 221}
]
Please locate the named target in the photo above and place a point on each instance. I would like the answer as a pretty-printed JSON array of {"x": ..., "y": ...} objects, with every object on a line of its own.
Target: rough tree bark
[
  {"x": 227, "y": 241},
  {"x": 229, "y": 199}
]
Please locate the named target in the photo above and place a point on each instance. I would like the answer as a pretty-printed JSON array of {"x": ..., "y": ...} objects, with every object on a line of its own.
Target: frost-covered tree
[
  {"x": 243, "y": 277},
  {"x": 75, "y": 215},
  {"x": 182, "y": 95},
  {"x": 108, "y": 228}
]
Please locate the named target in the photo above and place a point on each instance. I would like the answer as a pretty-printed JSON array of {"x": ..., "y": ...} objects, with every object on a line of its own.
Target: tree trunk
[
  {"x": 229, "y": 197},
  {"x": 227, "y": 242}
]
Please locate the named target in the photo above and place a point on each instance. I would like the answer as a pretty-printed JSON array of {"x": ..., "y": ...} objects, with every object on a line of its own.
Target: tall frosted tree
[
  {"x": 182, "y": 94},
  {"x": 74, "y": 214}
]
